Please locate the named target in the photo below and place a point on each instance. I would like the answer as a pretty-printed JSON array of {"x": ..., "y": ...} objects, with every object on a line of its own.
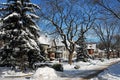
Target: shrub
[{"x": 57, "y": 67}]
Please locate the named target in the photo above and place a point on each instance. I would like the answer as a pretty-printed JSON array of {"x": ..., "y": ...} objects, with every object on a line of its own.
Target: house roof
[
  {"x": 100, "y": 51},
  {"x": 91, "y": 46},
  {"x": 43, "y": 39},
  {"x": 59, "y": 42}
]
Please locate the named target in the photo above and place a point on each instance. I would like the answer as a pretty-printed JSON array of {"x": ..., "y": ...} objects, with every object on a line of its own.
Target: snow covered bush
[
  {"x": 45, "y": 73},
  {"x": 20, "y": 34}
]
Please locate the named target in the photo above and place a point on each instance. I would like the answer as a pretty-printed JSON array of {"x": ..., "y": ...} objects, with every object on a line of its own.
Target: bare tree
[
  {"x": 110, "y": 13},
  {"x": 68, "y": 18},
  {"x": 116, "y": 44},
  {"x": 112, "y": 6},
  {"x": 106, "y": 31}
]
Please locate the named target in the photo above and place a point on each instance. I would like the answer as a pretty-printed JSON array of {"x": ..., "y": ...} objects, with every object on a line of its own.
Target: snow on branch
[
  {"x": 35, "y": 27},
  {"x": 19, "y": 2},
  {"x": 34, "y": 16},
  {"x": 2, "y": 32},
  {"x": 28, "y": 9},
  {"x": 32, "y": 5},
  {"x": 14, "y": 14},
  {"x": 30, "y": 19}
]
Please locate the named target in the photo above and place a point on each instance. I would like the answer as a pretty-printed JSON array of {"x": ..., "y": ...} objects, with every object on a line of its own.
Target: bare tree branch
[{"x": 101, "y": 3}]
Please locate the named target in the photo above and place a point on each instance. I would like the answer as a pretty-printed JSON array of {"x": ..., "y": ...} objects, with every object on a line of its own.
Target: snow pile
[
  {"x": 45, "y": 73},
  {"x": 112, "y": 73}
]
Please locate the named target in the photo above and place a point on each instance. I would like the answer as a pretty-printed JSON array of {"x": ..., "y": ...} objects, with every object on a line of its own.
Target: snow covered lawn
[{"x": 69, "y": 73}]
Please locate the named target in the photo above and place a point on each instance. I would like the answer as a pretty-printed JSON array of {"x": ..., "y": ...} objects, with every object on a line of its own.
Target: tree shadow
[
  {"x": 3, "y": 70},
  {"x": 86, "y": 74}
]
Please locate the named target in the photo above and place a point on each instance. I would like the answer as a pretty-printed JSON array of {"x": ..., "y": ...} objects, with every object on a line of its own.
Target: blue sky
[{"x": 90, "y": 37}]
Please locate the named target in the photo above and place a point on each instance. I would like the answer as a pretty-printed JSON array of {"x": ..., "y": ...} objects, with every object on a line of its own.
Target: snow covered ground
[
  {"x": 87, "y": 68},
  {"x": 111, "y": 73},
  {"x": 69, "y": 73}
]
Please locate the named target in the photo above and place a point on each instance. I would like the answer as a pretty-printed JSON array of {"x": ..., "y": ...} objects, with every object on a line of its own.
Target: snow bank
[
  {"x": 45, "y": 73},
  {"x": 112, "y": 73}
]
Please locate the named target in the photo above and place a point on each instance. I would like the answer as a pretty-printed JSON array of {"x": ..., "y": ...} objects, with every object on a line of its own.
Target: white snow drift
[{"x": 45, "y": 73}]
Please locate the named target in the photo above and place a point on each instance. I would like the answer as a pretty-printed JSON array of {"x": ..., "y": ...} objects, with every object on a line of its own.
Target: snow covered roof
[
  {"x": 100, "y": 51},
  {"x": 77, "y": 46},
  {"x": 91, "y": 46},
  {"x": 59, "y": 42},
  {"x": 47, "y": 40},
  {"x": 43, "y": 39}
]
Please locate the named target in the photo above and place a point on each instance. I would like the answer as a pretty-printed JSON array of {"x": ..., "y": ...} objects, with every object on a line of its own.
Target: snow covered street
[{"x": 87, "y": 70}]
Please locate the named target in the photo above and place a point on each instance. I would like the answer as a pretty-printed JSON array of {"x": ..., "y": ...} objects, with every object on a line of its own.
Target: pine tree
[
  {"x": 20, "y": 34},
  {"x": 82, "y": 51}
]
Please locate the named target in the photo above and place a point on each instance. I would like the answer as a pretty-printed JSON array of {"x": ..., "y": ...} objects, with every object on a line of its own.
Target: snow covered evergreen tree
[
  {"x": 82, "y": 51},
  {"x": 20, "y": 34}
]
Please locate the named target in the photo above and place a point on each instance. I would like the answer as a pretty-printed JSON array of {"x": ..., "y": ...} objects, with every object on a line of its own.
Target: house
[
  {"x": 91, "y": 47},
  {"x": 58, "y": 48},
  {"x": 99, "y": 53},
  {"x": 52, "y": 48},
  {"x": 44, "y": 44}
]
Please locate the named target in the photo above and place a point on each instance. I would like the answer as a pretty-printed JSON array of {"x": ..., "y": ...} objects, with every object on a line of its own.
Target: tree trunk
[
  {"x": 118, "y": 54},
  {"x": 70, "y": 58},
  {"x": 108, "y": 55}
]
